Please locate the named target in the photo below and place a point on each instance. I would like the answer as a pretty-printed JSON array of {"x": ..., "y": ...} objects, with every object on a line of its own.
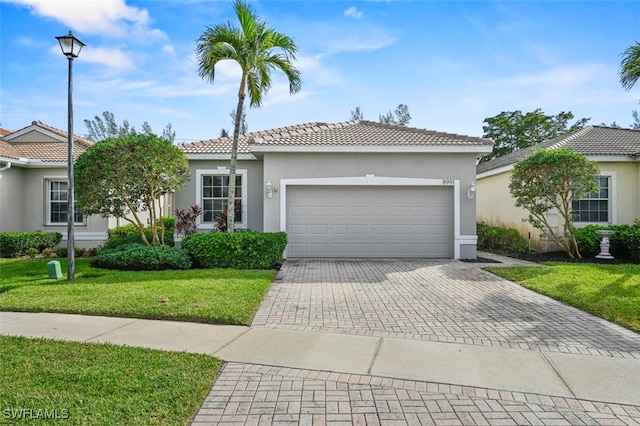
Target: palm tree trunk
[{"x": 231, "y": 204}]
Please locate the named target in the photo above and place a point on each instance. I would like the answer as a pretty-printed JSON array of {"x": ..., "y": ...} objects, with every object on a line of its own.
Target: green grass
[
  {"x": 101, "y": 384},
  {"x": 215, "y": 296},
  {"x": 611, "y": 292}
]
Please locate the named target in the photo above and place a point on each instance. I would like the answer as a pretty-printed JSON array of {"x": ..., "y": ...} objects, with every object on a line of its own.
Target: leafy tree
[
  {"x": 400, "y": 116},
  {"x": 630, "y": 66},
  {"x": 357, "y": 115},
  {"x": 124, "y": 176},
  {"x": 636, "y": 120},
  {"x": 258, "y": 50},
  {"x": 512, "y": 130},
  {"x": 547, "y": 179},
  {"x": 100, "y": 129}
]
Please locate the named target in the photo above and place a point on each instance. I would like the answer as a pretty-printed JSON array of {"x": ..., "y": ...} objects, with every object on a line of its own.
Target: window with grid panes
[
  {"x": 58, "y": 203},
  {"x": 215, "y": 194},
  {"x": 595, "y": 207}
]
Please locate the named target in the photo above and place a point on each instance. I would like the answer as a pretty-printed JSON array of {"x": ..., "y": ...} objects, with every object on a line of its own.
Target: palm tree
[
  {"x": 630, "y": 66},
  {"x": 258, "y": 50}
]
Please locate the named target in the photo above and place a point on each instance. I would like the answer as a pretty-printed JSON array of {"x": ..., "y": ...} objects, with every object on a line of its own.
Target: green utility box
[{"x": 54, "y": 269}]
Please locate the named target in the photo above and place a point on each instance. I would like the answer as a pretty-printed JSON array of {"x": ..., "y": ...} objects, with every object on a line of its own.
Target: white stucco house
[
  {"x": 617, "y": 153},
  {"x": 350, "y": 189}
]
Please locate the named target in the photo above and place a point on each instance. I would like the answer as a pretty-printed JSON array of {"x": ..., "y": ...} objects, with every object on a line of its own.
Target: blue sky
[{"x": 453, "y": 63}]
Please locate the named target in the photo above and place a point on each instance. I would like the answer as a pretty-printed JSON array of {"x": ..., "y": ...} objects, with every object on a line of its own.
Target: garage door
[{"x": 370, "y": 221}]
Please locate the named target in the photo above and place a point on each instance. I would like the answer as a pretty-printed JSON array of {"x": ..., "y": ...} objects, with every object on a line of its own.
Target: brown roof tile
[
  {"x": 590, "y": 141},
  {"x": 348, "y": 133},
  {"x": 48, "y": 151}
]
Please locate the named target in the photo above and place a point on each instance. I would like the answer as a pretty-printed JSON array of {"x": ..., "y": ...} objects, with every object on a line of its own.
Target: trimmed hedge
[
  {"x": 129, "y": 234},
  {"x": 237, "y": 250},
  {"x": 138, "y": 257},
  {"x": 14, "y": 244},
  {"x": 505, "y": 240},
  {"x": 625, "y": 243}
]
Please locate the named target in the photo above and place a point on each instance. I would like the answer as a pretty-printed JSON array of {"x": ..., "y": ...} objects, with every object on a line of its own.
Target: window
[
  {"x": 213, "y": 192},
  {"x": 58, "y": 205},
  {"x": 595, "y": 207}
]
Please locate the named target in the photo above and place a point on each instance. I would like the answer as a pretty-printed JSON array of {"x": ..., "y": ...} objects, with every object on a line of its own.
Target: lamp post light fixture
[{"x": 71, "y": 48}]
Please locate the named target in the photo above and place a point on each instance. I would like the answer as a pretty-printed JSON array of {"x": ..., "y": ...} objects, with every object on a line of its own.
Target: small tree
[
  {"x": 124, "y": 176},
  {"x": 547, "y": 179}
]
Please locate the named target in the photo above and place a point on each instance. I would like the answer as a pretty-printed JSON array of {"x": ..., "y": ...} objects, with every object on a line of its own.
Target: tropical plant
[
  {"x": 547, "y": 179},
  {"x": 630, "y": 66},
  {"x": 258, "y": 50},
  {"x": 121, "y": 177},
  {"x": 186, "y": 220}
]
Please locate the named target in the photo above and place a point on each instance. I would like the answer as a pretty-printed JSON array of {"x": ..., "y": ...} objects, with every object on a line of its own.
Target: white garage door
[{"x": 370, "y": 221}]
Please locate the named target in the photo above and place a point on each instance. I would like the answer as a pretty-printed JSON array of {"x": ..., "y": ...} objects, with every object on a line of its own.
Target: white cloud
[
  {"x": 110, "y": 57},
  {"x": 112, "y": 18},
  {"x": 353, "y": 12},
  {"x": 168, "y": 49}
]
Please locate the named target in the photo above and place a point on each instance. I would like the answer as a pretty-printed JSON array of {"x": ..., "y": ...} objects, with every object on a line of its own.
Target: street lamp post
[{"x": 71, "y": 47}]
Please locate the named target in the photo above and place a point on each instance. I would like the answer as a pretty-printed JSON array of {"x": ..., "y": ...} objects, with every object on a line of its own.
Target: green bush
[
  {"x": 138, "y": 257},
  {"x": 625, "y": 243},
  {"x": 237, "y": 250},
  {"x": 128, "y": 234},
  {"x": 15, "y": 244},
  {"x": 504, "y": 240},
  {"x": 62, "y": 252}
]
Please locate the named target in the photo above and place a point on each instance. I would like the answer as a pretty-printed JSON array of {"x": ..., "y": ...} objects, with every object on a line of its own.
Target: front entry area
[{"x": 370, "y": 221}]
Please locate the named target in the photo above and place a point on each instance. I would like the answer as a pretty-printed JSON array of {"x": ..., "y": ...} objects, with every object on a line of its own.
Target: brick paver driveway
[{"x": 444, "y": 301}]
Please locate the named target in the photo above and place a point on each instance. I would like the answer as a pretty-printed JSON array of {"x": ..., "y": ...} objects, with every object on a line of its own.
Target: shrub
[
  {"x": 15, "y": 244},
  {"x": 238, "y": 250},
  {"x": 62, "y": 252},
  {"x": 47, "y": 252},
  {"x": 138, "y": 257},
  {"x": 625, "y": 243},
  {"x": 128, "y": 234},
  {"x": 506, "y": 240},
  {"x": 185, "y": 220},
  {"x": 32, "y": 252}
]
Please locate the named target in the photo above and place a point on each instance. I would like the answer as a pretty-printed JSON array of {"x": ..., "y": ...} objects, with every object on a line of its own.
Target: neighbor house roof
[
  {"x": 592, "y": 141},
  {"x": 350, "y": 133},
  {"x": 40, "y": 142}
]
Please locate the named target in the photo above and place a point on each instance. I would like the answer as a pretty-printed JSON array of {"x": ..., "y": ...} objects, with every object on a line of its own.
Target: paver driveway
[
  {"x": 439, "y": 300},
  {"x": 442, "y": 301}
]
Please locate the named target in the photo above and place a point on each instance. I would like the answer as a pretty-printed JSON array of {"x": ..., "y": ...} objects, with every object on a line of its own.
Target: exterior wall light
[
  {"x": 269, "y": 189},
  {"x": 471, "y": 192}
]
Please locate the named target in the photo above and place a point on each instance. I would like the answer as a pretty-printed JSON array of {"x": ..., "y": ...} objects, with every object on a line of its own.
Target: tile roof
[
  {"x": 590, "y": 141},
  {"x": 348, "y": 133},
  {"x": 47, "y": 151}
]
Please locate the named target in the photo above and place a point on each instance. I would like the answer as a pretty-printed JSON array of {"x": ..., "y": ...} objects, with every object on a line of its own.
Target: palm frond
[{"x": 630, "y": 67}]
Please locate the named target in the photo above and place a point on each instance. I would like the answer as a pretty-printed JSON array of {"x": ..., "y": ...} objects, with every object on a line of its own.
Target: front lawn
[
  {"x": 46, "y": 381},
  {"x": 611, "y": 292},
  {"x": 215, "y": 296}
]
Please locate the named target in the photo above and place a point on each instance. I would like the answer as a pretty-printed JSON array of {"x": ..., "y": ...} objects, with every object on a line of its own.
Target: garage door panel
[{"x": 370, "y": 221}]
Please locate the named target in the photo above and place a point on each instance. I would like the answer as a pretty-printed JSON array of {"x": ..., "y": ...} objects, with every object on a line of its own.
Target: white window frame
[
  {"x": 222, "y": 171},
  {"x": 613, "y": 201},
  {"x": 48, "y": 201}
]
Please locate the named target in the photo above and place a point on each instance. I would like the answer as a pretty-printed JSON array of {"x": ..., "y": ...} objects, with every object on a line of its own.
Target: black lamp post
[{"x": 71, "y": 47}]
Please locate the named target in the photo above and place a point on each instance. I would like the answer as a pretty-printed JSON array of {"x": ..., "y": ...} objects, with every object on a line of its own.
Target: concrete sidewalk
[{"x": 582, "y": 377}]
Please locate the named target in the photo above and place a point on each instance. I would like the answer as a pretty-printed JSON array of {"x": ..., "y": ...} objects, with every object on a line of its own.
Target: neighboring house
[
  {"x": 351, "y": 189},
  {"x": 617, "y": 153},
  {"x": 33, "y": 185}
]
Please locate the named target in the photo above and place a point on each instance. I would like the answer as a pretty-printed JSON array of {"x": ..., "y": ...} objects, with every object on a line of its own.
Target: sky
[{"x": 453, "y": 63}]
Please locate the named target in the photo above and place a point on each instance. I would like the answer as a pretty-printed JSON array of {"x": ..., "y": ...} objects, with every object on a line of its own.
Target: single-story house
[
  {"x": 33, "y": 185},
  {"x": 351, "y": 189},
  {"x": 617, "y": 153}
]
